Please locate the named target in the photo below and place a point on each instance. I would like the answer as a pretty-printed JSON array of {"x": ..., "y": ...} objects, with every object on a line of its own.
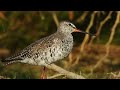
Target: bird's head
[{"x": 68, "y": 28}]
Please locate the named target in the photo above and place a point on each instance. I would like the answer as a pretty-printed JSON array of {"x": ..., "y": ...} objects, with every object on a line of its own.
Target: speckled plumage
[{"x": 49, "y": 49}]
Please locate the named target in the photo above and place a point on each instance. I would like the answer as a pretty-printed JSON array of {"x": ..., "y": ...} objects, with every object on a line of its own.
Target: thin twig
[
  {"x": 100, "y": 26},
  {"x": 82, "y": 17},
  {"x": 3, "y": 36},
  {"x": 113, "y": 29},
  {"x": 109, "y": 42},
  {"x": 112, "y": 33},
  {"x": 87, "y": 30},
  {"x": 55, "y": 18}
]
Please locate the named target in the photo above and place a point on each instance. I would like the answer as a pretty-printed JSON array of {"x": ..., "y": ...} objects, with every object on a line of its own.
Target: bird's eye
[{"x": 70, "y": 24}]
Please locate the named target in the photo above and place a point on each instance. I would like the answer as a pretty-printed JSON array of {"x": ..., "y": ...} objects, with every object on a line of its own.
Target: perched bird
[{"x": 48, "y": 49}]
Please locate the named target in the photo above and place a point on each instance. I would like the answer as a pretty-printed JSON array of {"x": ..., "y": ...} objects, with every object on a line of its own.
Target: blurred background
[{"x": 92, "y": 57}]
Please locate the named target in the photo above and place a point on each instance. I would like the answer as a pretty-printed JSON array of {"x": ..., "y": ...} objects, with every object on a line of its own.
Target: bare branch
[
  {"x": 55, "y": 18},
  {"x": 100, "y": 26},
  {"x": 87, "y": 30},
  {"x": 112, "y": 33},
  {"x": 109, "y": 41},
  {"x": 113, "y": 29},
  {"x": 60, "y": 70},
  {"x": 82, "y": 17}
]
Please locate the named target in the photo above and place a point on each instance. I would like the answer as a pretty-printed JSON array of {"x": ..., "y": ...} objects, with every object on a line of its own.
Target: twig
[
  {"x": 113, "y": 29},
  {"x": 60, "y": 70},
  {"x": 114, "y": 75},
  {"x": 109, "y": 41},
  {"x": 55, "y": 18},
  {"x": 82, "y": 17},
  {"x": 112, "y": 33},
  {"x": 103, "y": 22},
  {"x": 87, "y": 30},
  {"x": 100, "y": 26}
]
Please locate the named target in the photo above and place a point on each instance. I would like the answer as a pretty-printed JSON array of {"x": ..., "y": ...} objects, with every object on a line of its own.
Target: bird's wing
[{"x": 30, "y": 50}]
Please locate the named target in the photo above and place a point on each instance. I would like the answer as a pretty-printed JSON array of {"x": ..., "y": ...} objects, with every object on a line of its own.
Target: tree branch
[
  {"x": 55, "y": 18},
  {"x": 109, "y": 42},
  {"x": 82, "y": 17},
  {"x": 100, "y": 26},
  {"x": 113, "y": 28},
  {"x": 87, "y": 30},
  {"x": 60, "y": 70}
]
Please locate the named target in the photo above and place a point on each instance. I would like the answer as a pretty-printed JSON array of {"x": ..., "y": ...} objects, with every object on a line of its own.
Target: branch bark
[{"x": 60, "y": 70}]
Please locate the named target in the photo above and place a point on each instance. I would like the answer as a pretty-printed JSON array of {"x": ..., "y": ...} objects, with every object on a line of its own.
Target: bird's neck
[{"x": 64, "y": 33}]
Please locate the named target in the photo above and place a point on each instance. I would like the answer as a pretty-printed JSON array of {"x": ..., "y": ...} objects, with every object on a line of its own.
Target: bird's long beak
[{"x": 77, "y": 30}]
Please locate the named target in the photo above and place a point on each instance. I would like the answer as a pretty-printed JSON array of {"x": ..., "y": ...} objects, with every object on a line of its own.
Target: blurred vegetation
[{"x": 97, "y": 58}]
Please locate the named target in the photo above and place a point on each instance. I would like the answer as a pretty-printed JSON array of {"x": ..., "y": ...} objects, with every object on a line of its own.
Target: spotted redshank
[{"x": 49, "y": 49}]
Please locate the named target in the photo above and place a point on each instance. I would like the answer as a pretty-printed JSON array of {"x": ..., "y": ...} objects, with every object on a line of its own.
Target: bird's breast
[{"x": 62, "y": 49}]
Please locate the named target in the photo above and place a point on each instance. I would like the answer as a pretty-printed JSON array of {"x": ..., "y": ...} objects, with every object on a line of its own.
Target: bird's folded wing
[{"x": 30, "y": 50}]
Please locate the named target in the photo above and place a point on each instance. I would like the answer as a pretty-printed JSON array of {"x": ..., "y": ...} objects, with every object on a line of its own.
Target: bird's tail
[{"x": 10, "y": 60}]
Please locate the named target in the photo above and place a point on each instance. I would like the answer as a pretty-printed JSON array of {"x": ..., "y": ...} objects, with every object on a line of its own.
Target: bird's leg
[{"x": 43, "y": 75}]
